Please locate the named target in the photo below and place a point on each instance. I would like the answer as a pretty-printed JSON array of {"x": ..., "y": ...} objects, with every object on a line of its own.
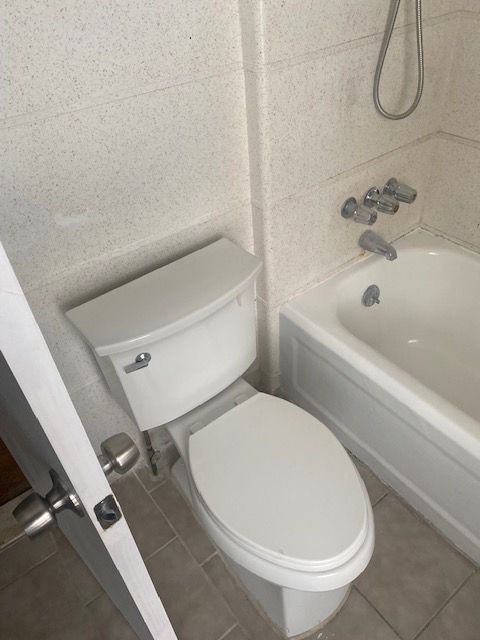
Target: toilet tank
[{"x": 195, "y": 320}]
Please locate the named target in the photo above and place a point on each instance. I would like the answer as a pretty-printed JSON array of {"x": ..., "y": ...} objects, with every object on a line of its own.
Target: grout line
[
  {"x": 35, "y": 117},
  {"x": 397, "y": 633},
  {"x": 212, "y": 555},
  {"x": 444, "y": 605},
  {"x": 154, "y": 553},
  {"x": 224, "y": 635}
]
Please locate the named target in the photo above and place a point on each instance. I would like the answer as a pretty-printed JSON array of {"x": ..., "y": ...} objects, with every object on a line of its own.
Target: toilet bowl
[
  {"x": 274, "y": 489},
  {"x": 280, "y": 498}
]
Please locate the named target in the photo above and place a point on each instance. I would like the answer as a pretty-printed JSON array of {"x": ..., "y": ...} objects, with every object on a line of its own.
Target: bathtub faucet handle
[
  {"x": 381, "y": 201},
  {"x": 399, "y": 191},
  {"x": 359, "y": 213}
]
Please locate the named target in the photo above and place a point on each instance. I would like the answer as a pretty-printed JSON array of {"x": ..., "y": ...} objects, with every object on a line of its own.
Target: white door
[{"x": 43, "y": 432}]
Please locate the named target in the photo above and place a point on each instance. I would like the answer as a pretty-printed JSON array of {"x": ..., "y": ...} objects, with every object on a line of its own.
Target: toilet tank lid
[{"x": 166, "y": 300}]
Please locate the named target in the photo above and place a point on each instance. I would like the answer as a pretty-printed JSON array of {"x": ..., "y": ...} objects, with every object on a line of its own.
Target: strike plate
[{"x": 107, "y": 512}]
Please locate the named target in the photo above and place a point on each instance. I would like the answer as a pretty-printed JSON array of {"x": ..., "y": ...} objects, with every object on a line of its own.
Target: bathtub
[{"x": 399, "y": 382}]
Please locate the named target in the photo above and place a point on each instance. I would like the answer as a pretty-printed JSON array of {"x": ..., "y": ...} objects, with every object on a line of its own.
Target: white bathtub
[{"x": 399, "y": 382}]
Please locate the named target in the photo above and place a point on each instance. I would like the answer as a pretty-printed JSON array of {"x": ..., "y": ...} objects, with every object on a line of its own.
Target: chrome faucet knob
[
  {"x": 359, "y": 213},
  {"x": 399, "y": 191},
  {"x": 381, "y": 201}
]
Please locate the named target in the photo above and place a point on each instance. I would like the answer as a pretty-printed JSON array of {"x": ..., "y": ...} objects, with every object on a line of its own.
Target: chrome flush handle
[{"x": 141, "y": 361}]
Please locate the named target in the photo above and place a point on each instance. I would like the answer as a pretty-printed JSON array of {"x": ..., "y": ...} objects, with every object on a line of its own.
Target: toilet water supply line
[{"x": 381, "y": 59}]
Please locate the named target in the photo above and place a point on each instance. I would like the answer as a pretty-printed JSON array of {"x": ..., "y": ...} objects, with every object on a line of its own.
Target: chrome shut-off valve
[
  {"x": 399, "y": 191},
  {"x": 358, "y": 213},
  {"x": 381, "y": 201}
]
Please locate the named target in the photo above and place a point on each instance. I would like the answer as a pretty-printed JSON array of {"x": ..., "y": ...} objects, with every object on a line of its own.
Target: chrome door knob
[
  {"x": 36, "y": 514},
  {"x": 119, "y": 453}
]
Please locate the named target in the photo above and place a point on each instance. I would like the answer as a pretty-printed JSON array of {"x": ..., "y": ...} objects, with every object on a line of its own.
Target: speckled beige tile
[
  {"x": 413, "y": 571},
  {"x": 61, "y": 55},
  {"x": 461, "y": 112},
  {"x": 457, "y": 166},
  {"x": 460, "y": 619},
  {"x": 49, "y": 300},
  {"x": 268, "y": 338},
  {"x": 102, "y": 416},
  {"x": 120, "y": 173},
  {"x": 321, "y": 115},
  {"x": 309, "y": 240},
  {"x": 294, "y": 28}
]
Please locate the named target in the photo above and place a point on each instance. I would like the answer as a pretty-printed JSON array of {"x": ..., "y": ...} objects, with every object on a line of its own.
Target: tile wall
[
  {"x": 132, "y": 133},
  {"x": 123, "y": 146}
]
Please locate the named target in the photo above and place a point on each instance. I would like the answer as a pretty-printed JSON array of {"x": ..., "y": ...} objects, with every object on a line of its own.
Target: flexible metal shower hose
[{"x": 381, "y": 59}]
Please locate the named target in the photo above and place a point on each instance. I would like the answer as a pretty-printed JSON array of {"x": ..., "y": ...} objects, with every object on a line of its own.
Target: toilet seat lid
[{"x": 276, "y": 479}]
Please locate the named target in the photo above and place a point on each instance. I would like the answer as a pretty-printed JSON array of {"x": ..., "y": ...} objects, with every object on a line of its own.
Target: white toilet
[{"x": 275, "y": 490}]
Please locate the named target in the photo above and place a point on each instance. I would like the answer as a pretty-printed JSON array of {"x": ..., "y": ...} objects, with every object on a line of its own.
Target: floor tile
[
  {"x": 149, "y": 528},
  {"x": 236, "y": 634},
  {"x": 22, "y": 555},
  {"x": 460, "y": 619},
  {"x": 375, "y": 487},
  {"x": 149, "y": 481},
  {"x": 82, "y": 578},
  {"x": 180, "y": 515},
  {"x": 108, "y": 621},
  {"x": 248, "y": 616},
  {"x": 357, "y": 620},
  {"x": 196, "y": 610},
  {"x": 413, "y": 570},
  {"x": 43, "y": 605}
]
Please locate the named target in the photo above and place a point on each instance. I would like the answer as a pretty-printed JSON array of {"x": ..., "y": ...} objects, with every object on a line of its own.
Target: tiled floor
[{"x": 416, "y": 586}]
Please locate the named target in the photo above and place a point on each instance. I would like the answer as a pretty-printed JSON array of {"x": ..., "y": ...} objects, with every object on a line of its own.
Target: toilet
[{"x": 275, "y": 490}]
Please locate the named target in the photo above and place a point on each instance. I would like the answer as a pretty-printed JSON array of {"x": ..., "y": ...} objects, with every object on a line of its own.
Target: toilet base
[{"x": 292, "y": 611}]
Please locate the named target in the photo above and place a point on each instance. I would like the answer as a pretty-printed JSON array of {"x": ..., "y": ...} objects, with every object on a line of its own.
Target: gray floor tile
[
  {"x": 413, "y": 570},
  {"x": 196, "y": 610},
  {"x": 248, "y": 616},
  {"x": 150, "y": 529},
  {"x": 357, "y": 620},
  {"x": 149, "y": 481},
  {"x": 236, "y": 634},
  {"x": 43, "y": 605},
  {"x": 19, "y": 557},
  {"x": 180, "y": 515},
  {"x": 82, "y": 578},
  {"x": 460, "y": 619},
  {"x": 375, "y": 487},
  {"x": 108, "y": 621}
]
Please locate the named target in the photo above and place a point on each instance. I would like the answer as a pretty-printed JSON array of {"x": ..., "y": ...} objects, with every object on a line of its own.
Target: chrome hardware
[
  {"x": 371, "y": 241},
  {"x": 371, "y": 296},
  {"x": 381, "y": 201},
  {"x": 36, "y": 514},
  {"x": 359, "y": 213},
  {"x": 401, "y": 192},
  {"x": 107, "y": 511},
  {"x": 141, "y": 361},
  {"x": 119, "y": 453}
]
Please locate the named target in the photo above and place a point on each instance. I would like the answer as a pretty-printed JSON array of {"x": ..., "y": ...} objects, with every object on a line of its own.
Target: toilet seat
[{"x": 274, "y": 481}]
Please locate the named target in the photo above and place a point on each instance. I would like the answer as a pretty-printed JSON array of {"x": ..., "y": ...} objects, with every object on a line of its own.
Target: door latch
[{"x": 107, "y": 511}]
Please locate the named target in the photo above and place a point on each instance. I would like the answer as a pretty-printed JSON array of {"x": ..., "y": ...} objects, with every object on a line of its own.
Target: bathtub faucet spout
[{"x": 371, "y": 241}]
